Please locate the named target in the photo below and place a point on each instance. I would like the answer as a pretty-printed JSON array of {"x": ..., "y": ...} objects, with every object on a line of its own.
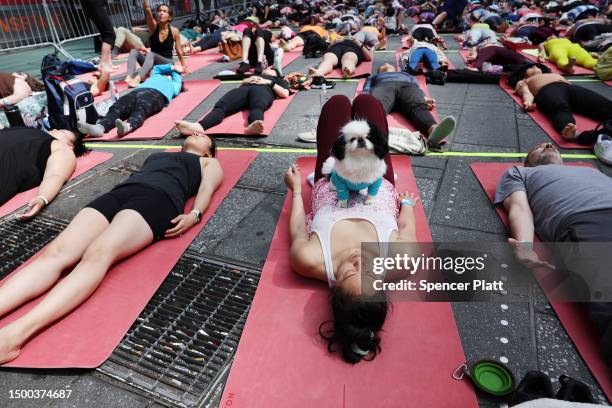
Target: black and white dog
[{"x": 357, "y": 160}]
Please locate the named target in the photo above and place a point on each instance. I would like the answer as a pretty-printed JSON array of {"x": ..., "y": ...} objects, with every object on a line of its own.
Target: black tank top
[
  {"x": 162, "y": 48},
  {"x": 23, "y": 157},
  {"x": 178, "y": 175}
]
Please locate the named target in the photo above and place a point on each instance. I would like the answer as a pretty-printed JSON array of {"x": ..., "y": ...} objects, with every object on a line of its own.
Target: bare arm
[
  {"x": 178, "y": 45},
  {"x": 367, "y": 53},
  {"x": 151, "y": 23},
  {"x": 405, "y": 221},
  {"x": 280, "y": 92},
  {"x": 59, "y": 168},
  {"x": 21, "y": 90},
  {"x": 520, "y": 216},
  {"x": 212, "y": 176},
  {"x": 523, "y": 91}
]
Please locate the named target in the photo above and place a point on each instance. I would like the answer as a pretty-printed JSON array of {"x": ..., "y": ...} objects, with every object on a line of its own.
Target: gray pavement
[{"x": 241, "y": 229}]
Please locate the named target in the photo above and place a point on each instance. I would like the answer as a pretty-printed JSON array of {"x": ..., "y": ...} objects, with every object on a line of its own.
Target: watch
[{"x": 198, "y": 215}]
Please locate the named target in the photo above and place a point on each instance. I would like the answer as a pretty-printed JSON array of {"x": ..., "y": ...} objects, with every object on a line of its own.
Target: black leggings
[
  {"x": 559, "y": 99},
  {"x": 256, "y": 98},
  {"x": 254, "y": 35},
  {"x": 407, "y": 99},
  {"x": 97, "y": 11},
  {"x": 135, "y": 106},
  {"x": 423, "y": 34}
]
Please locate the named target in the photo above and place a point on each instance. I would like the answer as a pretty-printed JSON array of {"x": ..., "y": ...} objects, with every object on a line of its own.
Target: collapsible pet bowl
[{"x": 490, "y": 376}]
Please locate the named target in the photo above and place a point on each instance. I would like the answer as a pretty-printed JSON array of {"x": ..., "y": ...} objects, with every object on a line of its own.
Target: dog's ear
[
  {"x": 338, "y": 148},
  {"x": 380, "y": 141}
]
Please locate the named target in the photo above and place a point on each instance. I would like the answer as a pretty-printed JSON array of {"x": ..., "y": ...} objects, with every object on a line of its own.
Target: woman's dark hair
[
  {"x": 170, "y": 12},
  {"x": 34, "y": 83},
  {"x": 79, "y": 147},
  {"x": 518, "y": 72},
  {"x": 213, "y": 146},
  {"x": 357, "y": 321}
]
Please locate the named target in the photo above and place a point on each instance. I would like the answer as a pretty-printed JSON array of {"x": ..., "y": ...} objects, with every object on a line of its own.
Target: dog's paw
[
  {"x": 342, "y": 203},
  {"x": 370, "y": 200}
]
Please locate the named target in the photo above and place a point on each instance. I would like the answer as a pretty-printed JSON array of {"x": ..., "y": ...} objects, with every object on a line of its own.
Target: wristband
[
  {"x": 198, "y": 214},
  {"x": 407, "y": 201},
  {"x": 297, "y": 194},
  {"x": 527, "y": 244},
  {"x": 43, "y": 199}
]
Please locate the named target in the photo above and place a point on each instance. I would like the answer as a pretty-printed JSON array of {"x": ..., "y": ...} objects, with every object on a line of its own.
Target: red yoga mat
[
  {"x": 282, "y": 362},
  {"x": 578, "y": 70},
  {"x": 84, "y": 163},
  {"x": 518, "y": 46},
  {"x": 583, "y": 123},
  {"x": 363, "y": 70},
  {"x": 86, "y": 337},
  {"x": 157, "y": 126},
  {"x": 235, "y": 124},
  {"x": 571, "y": 315}
]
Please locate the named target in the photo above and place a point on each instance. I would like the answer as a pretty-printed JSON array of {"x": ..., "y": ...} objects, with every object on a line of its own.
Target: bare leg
[
  {"x": 292, "y": 44},
  {"x": 260, "y": 45},
  {"x": 349, "y": 64},
  {"x": 63, "y": 252},
  {"x": 105, "y": 58},
  {"x": 326, "y": 66},
  {"x": 127, "y": 234},
  {"x": 246, "y": 45},
  {"x": 439, "y": 18}
]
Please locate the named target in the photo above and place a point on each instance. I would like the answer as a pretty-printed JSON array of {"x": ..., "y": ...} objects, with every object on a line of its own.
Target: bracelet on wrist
[
  {"x": 43, "y": 199},
  {"x": 297, "y": 194},
  {"x": 407, "y": 202},
  {"x": 527, "y": 244}
]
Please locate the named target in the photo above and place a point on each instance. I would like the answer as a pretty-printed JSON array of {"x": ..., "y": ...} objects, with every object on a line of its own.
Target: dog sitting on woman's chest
[{"x": 357, "y": 161}]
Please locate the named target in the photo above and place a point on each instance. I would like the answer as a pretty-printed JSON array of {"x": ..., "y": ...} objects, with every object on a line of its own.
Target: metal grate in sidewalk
[
  {"x": 19, "y": 241},
  {"x": 184, "y": 340}
]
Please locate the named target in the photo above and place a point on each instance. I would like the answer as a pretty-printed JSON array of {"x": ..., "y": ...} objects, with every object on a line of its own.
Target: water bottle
[
  {"x": 323, "y": 94},
  {"x": 278, "y": 60},
  {"x": 13, "y": 115},
  {"x": 113, "y": 90}
]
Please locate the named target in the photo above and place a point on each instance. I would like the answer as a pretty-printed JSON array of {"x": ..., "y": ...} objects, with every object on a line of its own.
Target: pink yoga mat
[
  {"x": 571, "y": 315},
  {"x": 363, "y": 70},
  {"x": 583, "y": 123},
  {"x": 86, "y": 337},
  {"x": 236, "y": 123},
  {"x": 157, "y": 126},
  {"x": 578, "y": 70},
  {"x": 84, "y": 163},
  {"x": 281, "y": 360}
]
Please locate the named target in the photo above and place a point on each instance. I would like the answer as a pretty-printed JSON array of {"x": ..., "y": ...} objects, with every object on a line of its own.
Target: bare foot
[
  {"x": 188, "y": 128},
  {"x": 312, "y": 72},
  {"x": 255, "y": 128},
  {"x": 134, "y": 82},
  {"x": 10, "y": 347},
  {"x": 346, "y": 72},
  {"x": 569, "y": 132},
  {"x": 569, "y": 68},
  {"x": 283, "y": 44}
]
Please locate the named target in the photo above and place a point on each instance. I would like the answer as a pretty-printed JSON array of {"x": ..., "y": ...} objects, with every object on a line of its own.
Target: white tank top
[{"x": 325, "y": 219}]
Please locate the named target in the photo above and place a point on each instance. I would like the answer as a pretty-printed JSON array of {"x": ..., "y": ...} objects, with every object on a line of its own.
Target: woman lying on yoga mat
[
  {"x": 557, "y": 99},
  {"x": 496, "y": 54},
  {"x": 144, "y": 209},
  {"x": 16, "y": 86},
  {"x": 565, "y": 54},
  {"x": 328, "y": 247},
  {"x": 347, "y": 54},
  {"x": 30, "y": 157},
  {"x": 163, "y": 38},
  {"x": 255, "y": 47},
  {"x": 256, "y": 94}
]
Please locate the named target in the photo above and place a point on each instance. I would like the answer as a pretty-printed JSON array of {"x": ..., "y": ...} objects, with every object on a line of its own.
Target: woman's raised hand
[
  {"x": 293, "y": 178},
  {"x": 413, "y": 197}
]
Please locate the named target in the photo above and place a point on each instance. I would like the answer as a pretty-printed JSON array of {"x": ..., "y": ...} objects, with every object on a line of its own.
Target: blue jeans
[{"x": 429, "y": 57}]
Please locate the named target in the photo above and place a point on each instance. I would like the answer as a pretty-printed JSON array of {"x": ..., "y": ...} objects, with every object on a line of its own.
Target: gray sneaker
[
  {"x": 603, "y": 149},
  {"x": 89, "y": 129},
  {"x": 123, "y": 128},
  {"x": 442, "y": 130}
]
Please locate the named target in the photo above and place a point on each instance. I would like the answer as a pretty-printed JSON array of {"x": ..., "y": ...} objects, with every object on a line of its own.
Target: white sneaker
[
  {"x": 308, "y": 137},
  {"x": 603, "y": 149}
]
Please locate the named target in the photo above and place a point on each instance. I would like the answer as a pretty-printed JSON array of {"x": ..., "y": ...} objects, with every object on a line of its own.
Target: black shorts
[
  {"x": 341, "y": 48},
  {"x": 154, "y": 206},
  {"x": 423, "y": 34}
]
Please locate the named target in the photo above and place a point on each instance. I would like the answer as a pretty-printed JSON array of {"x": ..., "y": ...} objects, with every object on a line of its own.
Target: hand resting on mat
[{"x": 145, "y": 208}]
